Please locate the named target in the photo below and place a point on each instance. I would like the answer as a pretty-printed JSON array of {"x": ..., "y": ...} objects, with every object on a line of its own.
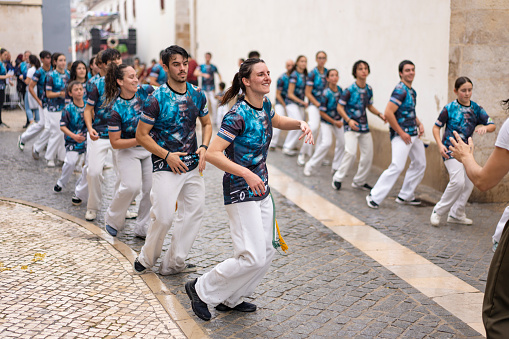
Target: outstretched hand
[
  {"x": 306, "y": 131},
  {"x": 459, "y": 149}
]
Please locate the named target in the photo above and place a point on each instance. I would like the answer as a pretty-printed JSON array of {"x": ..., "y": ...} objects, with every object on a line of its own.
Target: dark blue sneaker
[
  {"x": 111, "y": 231},
  {"x": 138, "y": 267},
  {"x": 199, "y": 307}
]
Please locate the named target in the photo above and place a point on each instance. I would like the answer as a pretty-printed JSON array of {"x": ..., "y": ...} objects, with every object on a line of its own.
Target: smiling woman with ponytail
[
  {"x": 134, "y": 164},
  {"x": 241, "y": 151}
]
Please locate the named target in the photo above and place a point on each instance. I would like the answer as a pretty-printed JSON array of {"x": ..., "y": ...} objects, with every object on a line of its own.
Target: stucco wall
[
  {"x": 479, "y": 42},
  {"x": 18, "y": 40},
  {"x": 56, "y": 26}
]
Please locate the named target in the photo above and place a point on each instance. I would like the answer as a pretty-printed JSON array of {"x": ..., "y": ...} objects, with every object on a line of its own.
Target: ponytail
[
  {"x": 237, "y": 84},
  {"x": 111, "y": 88}
]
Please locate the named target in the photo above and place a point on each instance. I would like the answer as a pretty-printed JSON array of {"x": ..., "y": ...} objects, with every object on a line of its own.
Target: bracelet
[
  {"x": 204, "y": 146},
  {"x": 166, "y": 157}
]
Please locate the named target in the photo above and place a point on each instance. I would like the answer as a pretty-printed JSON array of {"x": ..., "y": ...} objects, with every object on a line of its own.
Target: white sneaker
[
  {"x": 307, "y": 172},
  {"x": 326, "y": 162},
  {"x": 463, "y": 221},
  {"x": 90, "y": 215},
  {"x": 131, "y": 215},
  {"x": 289, "y": 152},
  {"x": 434, "y": 219},
  {"x": 301, "y": 159},
  {"x": 51, "y": 163}
]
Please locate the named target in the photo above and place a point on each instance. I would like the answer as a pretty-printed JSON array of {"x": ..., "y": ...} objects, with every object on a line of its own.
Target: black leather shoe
[
  {"x": 199, "y": 307},
  {"x": 242, "y": 307}
]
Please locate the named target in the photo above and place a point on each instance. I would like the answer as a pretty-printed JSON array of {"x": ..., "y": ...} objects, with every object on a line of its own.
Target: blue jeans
[{"x": 31, "y": 113}]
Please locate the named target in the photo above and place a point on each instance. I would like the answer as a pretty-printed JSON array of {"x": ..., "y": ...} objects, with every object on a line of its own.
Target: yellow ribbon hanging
[{"x": 282, "y": 242}]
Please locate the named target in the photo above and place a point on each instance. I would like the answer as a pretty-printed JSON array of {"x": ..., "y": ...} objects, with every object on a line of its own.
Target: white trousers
[
  {"x": 221, "y": 112},
  {"x": 314, "y": 125},
  {"x": 457, "y": 192},
  {"x": 294, "y": 111},
  {"x": 34, "y": 129},
  {"x": 168, "y": 188},
  {"x": 56, "y": 142},
  {"x": 135, "y": 172},
  {"x": 280, "y": 110},
  {"x": 212, "y": 103},
  {"x": 413, "y": 176},
  {"x": 326, "y": 132},
  {"x": 42, "y": 141},
  {"x": 365, "y": 142},
  {"x": 236, "y": 278},
  {"x": 81, "y": 188},
  {"x": 97, "y": 150},
  {"x": 501, "y": 225}
]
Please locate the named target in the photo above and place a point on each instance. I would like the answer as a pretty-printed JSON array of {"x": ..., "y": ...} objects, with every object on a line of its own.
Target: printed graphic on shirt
[
  {"x": 173, "y": 117},
  {"x": 462, "y": 119},
  {"x": 329, "y": 103},
  {"x": 318, "y": 81},
  {"x": 355, "y": 100},
  {"x": 282, "y": 85},
  {"x": 299, "y": 79},
  {"x": 40, "y": 78},
  {"x": 96, "y": 97},
  {"x": 72, "y": 118},
  {"x": 159, "y": 73},
  {"x": 405, "y": 99},
  {"x": 208, "y": 84},
  {"x": 56, "y": 82},
  {"x": 249, "y": 131},
  {"x": 125, "y": 114}
]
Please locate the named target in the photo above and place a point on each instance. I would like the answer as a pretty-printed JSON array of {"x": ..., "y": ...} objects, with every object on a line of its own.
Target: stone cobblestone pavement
[{"x": 325, "y": 288}]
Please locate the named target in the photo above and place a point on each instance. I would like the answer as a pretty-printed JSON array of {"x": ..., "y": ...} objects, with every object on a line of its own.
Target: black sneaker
[
  {"x": 414, "y": 202},
  {"x": 364, "y": 187},
  {"x": 75, "y": 200},
  {"x": 57, "y": 189},
  {"x": 370, "y": 202},
  {"x": 138, "y": 267},
  {"x": 199, "y": 307},
  {"x": 111, "y": 231},
  {"x": 336, "y": 185},
  {"x": 242, "y": 307}
]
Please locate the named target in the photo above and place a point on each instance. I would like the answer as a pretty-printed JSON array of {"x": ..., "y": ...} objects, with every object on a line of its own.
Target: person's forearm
[
  {"x": 327, "y": 117},
  {"x": 218, "y": 159},
  {"x": 206, "y": 134},
  {"x": 343, "y": 114},
  {"x": 88, "y": 116},
  {"x": 309, "y": 94},
  {"x": 475, "y": 173},
  {"x": 52, "y": 95},
  {"x": 286, "y": 123},
  {"x": 150, "y": 145},
  {"x": 391, "y": 119},
  {"x": 436, "y": 135},
  {"x": 123, "y": 143}
]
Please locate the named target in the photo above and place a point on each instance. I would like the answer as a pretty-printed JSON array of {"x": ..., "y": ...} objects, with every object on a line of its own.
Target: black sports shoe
[
  {"x": 199, "y": 307},
  {"x": 138, "y": 267},
  {"x": 370, "y": 202},
  {"x": 111, "y": 231},
  {"x": 364, "y": 187},
  {"x": 336, "y": 185},
  {"x": 415, "y": 201},
  {"x": 57, "y": 189},
  {"x": 242, "y": 307},
  {"x": 75, "y": 200}
]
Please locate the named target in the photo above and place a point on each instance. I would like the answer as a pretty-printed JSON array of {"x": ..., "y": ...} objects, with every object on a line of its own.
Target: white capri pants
[
  {"x": 168, "y": 188},
  {"x": 457, "y": 192},
  {"x": 294, "y": 111},
  {"x": 280, "y": 110},
  {"x": 413, "y": 176},
  {"x": 221, "y": 112},
  {"x": 501, "y": 225},
  {"x": 212, "y": 101},
  {"x": 135, "y": 172},
  {"x": 236, "y": 278},
  {"x": 314, "y": 125},
  {"x": 56, "y": 142},
  {"x": 42, "y": 125},
  {"x": 97, "y": 150},
  {"x": 326, "y": 132},
  {"x": 34, "y": 129},
  {"x": 81, "y": 188},
  {"x": 365, "y": 142}
]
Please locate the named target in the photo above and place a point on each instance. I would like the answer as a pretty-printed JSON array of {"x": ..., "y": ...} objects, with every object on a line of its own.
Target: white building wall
[
  {"x": 381, "y": 32},
  {"x": 12, "y": 18}
]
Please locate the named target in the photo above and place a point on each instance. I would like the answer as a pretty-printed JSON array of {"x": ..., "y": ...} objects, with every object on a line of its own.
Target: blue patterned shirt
[
  {"x": 40, "y": 78},
  {"x": 56, "y": 82},
  {"x": 125, "y": 113},
  {"x": 159, "y": 73},
  {"x": 299, "y": 79},
  {"x": 3, "y": 71},
  {"x": 208, "y": 84},
  {"x": 249, "y": 131},
  {"x": 355, "y": 100},
  {"x": 173, "y": 117},
  {"x": 318, "y": 81},
  {"x": 282, "y": 85},
  {"x": 96, "y": 97},
  {"x": 72, "y": 118},
  {"x": 329, "y": 103},
  {"x": 462, "y": 119},
  {"x": 405, "y": 99}
]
